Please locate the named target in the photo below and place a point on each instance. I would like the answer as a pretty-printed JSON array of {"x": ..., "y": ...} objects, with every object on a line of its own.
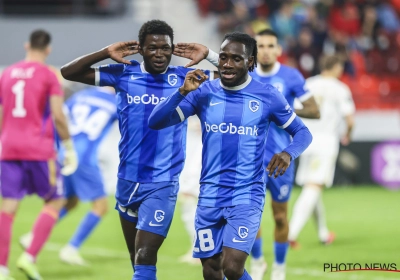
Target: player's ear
[
  {"x": 27, "y": 46},
  {"x": 280, "y": 50},
  {"x": 250, "y": 62},
  {"x": 48, "y": 49},
  {"x": 140, "y": 50}
]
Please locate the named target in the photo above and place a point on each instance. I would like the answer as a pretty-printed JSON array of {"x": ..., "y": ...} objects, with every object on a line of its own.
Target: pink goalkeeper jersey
[{"x": 27, "y": 130}]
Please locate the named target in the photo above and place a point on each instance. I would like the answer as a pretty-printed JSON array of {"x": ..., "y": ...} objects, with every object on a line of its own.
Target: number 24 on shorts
[{"x": 206, "y": 241}]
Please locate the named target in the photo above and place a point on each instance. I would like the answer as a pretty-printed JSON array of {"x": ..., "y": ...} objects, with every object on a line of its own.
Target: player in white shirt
[
  {"x": 189, "y": 183},
  {"x": 317, "y": 163}
]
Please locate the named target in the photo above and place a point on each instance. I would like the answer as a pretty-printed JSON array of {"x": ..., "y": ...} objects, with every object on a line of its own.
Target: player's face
[
  {"x": 268, "y": 50},
  {"x": 233, "y": 63},
  {"x": 157, "y": 53}
]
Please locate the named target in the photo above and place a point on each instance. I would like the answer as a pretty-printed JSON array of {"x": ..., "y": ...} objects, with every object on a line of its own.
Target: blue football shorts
[
  {"x": 150, "y": 205},
  {"x": 281, "y": 187},
  {"x": 234, "y": 227},
  {"x": 86, "y": 183}
]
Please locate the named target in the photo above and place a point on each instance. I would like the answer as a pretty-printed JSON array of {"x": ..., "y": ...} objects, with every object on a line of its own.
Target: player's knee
[
  {"x": 71, "y": 203},
  {"x": 280, "y": 219},
  {"x": 100, "y": 207},
  {"x": 146, "y": 255},
  {"x": 211, "y": 274},
  {"x": 232, "y": 270}
]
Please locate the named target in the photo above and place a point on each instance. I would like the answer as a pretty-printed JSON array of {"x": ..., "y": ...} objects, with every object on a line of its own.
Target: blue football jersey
[
  {"x": 146, "y": 155},
  {"x": 91, "y": 112},
  {"x": 235, "y": 123},
  {"x": 291, "y": 84}
]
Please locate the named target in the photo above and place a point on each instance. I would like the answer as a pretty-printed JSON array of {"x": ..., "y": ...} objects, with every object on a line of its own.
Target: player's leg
[
  {"x": 47, "y": 183},
  {"x": 8, "y": 210},
  {"x": 242, "y": 224},
  {"x": 88, "y": 186},
  {"x": 129, "y": 230},
  {"x": 258, "y": 265},
  {"x": 209, "y": 227},
  {"x": 153, "y": 204},
  {"x": 314, "y": 170},
  {"x": 280, "y": 189},
  {"x": 188, "y": 203},
  {"x": 212, "y": 267},
  {"x": 281, "y": 243},
  {"x": 324, "y": 235},
  {"x": 12, "y": 191}
]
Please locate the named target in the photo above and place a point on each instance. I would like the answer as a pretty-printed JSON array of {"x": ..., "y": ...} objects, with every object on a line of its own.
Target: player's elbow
[
  {"x": 154, "y": 123},
  {"x": 66, "y": 73}
]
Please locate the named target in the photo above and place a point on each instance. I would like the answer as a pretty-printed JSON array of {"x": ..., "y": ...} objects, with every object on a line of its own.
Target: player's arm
[
  {"x": 310, "y": 109},
  {"x": 81, "y": 70},
  {"x": 285, "y": 118},
  {"x": 347, "y": 109},
  {"x": 176, "y": 108},
  {"x": 196, "y": 53},
  {"x": 61, "y": 124}
]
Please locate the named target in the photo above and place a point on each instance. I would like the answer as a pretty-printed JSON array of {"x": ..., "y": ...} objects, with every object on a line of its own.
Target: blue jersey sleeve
[
  {"x": 283, "y": 115},
  {"x": 298, "y": 86},
  {"x": 107, "y": 75},
  {"x": 171, "y": 111}
]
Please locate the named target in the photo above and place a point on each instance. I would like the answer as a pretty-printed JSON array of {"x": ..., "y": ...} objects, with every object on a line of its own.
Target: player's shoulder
[
  {"x": 133, "y": 67},
  {"x": 292, "y": 74},
  {"x": 262, "y": 88}
]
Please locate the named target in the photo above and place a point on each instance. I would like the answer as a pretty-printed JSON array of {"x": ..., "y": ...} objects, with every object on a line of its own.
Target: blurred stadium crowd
[{"x": 365, "y": 33}]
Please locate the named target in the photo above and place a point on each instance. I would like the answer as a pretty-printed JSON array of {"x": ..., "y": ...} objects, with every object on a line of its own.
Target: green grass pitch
[{"x": 365, "y": 219}]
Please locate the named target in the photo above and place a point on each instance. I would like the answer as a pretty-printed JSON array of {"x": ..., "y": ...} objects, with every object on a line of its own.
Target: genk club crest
[
  {"x": 243, "y": 232},
  {"x": 159, "y": 215},
  {"x": 172, "y": 79},
  {"x": 254, "y": 105}
]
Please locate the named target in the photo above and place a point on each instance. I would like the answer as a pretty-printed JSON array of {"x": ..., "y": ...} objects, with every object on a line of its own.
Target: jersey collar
[
  {"x": 239, "y": 87},
  {"x": 273, "y": 71},
  {"x": 144, "y": 69}
]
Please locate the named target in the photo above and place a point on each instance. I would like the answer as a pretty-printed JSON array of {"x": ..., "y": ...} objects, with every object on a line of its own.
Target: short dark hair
[
  {"x": 155, "y": 27},
  {"x": 39, "y": 39},
  {"x": 269, "y": 32},
  {"x": 329, "y": 61},
  {"x": 249, "y": 43}
]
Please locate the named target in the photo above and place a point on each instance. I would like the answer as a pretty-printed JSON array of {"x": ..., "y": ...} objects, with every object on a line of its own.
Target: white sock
[
  {"x": 319, "y": 214},
  {"x": 302, "y": 210},
  {"x": 189, "y": 205}
]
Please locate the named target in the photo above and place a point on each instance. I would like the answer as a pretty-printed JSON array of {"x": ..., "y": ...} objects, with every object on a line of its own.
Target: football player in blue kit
[
  {"x": 291, "y": 84},
  {"x": 235, "y": 113},
  {"x": 150, "y": 160}
]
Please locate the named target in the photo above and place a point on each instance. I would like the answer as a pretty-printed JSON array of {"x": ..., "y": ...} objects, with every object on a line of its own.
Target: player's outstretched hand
[
  {"x": 119, "y": 50},
  {"x": 280, "y": 162},
  {"x": 195, "y": 52},
  {"x": 192, "y": 81}
]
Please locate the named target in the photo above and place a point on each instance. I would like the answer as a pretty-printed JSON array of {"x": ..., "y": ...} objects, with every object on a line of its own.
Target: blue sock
[
  {"x": 85, "y": 228},
  {"x": 145, "y": 272},
  {"x": 256, "y": 250},
  {"x": 280, "y": 252},
  {"x": 245, "y": 276},
  {"x": 62, "y": 213}
]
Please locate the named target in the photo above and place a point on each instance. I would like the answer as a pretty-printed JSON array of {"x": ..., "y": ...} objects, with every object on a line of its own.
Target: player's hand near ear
[{"x": 119, "y": 50}]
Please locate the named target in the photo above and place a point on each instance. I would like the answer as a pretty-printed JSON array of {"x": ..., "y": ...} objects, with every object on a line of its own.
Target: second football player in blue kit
[{"x": 150, "y": 161}]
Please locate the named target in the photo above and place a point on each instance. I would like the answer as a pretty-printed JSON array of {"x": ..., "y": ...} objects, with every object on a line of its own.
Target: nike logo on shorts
[
  {"x": 155, "y": 225},
  {"x": 236, "y": 241}
]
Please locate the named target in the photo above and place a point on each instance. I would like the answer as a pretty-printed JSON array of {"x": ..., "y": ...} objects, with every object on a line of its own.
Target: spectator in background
[
  {"x": 304, "y": 54},
  {"x": 283, "y": 22}
]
